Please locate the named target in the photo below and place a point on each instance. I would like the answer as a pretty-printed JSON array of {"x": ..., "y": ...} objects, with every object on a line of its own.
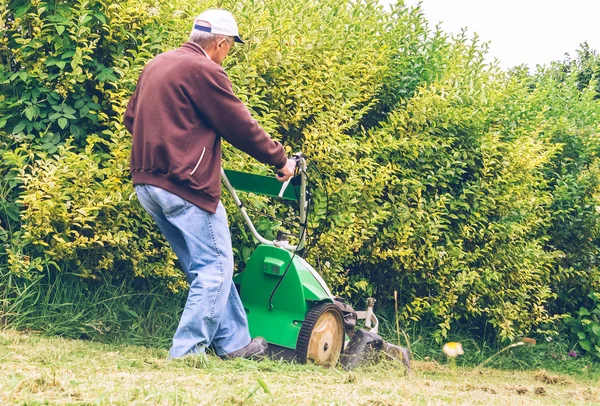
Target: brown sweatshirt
[{"x": 182, "y": 106}]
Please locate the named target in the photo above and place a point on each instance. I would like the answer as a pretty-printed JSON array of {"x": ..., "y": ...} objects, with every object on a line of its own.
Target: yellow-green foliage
[
  {"x": 70, "y": 67},
  {"x": 471, "y": 191},
  {"x": 81, "y": 214}
]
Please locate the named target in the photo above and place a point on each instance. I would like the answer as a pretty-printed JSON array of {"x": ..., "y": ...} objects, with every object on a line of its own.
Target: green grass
[
  {"x": 68, "y": 306},
  {"x": 53, "y": 370},
  {"x": 550, "y": 353},
  {"x": 123, "y": 335}
]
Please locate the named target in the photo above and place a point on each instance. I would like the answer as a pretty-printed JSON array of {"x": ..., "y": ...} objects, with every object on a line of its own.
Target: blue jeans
[{"x": 213, "y": 313}]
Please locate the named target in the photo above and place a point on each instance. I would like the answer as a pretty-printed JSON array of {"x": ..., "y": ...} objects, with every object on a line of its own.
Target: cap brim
[{"x": 239, "y": 40}]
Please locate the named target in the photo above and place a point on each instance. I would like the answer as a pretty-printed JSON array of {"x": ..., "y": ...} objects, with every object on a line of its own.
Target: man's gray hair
[{"x": 205, "y": 39}]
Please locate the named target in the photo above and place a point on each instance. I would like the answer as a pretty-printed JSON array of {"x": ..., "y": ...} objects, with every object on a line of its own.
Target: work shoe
[{"x": 256, "y": 349}]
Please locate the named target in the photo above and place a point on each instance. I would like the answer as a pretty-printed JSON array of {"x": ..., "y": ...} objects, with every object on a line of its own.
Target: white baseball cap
[{"x": 221, "y": 22}]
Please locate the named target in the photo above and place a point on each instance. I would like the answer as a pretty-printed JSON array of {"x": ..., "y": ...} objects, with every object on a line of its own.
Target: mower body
[{"x": 277, "y": 313}]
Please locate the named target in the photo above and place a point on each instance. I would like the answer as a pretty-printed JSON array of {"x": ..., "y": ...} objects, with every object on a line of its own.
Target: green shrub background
[{"x": 471, "y": 191}]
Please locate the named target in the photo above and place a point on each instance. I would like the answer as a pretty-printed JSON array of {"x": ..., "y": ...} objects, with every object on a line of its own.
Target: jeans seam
[
  {"x": 143, "y": 189},
  {"x": 150, "y": 193},
  {"x": 186, "y": 204},
  {"x": 212, "y": 233}
]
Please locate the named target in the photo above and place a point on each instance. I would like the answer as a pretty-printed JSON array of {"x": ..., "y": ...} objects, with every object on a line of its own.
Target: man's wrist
[{"x": 282, "y": 166}]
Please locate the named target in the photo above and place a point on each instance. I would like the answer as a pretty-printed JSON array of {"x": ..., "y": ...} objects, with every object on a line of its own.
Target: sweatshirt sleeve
[
  {"x": 130, "y": 112},
  {"x": 213, "y": 96}
]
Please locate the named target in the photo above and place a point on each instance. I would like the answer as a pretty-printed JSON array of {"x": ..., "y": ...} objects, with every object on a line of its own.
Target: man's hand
[{"x": 287, "y": 171}]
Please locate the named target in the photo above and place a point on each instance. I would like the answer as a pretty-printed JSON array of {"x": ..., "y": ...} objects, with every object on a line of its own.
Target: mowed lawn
[{"x": 38, "y": 370}]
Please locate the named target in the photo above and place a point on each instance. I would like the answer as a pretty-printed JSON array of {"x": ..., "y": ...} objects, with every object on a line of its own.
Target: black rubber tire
[{"x": 308, "y": 325}]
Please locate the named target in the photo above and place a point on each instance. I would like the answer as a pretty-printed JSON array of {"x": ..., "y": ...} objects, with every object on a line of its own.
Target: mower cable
[
  {"x": 319, "y": 230},
  {"x": 287, "y": 268}
]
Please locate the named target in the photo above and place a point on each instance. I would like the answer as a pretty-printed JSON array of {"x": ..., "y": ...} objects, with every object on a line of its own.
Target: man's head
[{"x": 215, "y": 31}]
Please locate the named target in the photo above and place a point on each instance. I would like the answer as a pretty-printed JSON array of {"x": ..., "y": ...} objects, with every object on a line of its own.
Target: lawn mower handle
[
  {"x": 297, "y": 157},
  {"x": 302, "y": 199}
]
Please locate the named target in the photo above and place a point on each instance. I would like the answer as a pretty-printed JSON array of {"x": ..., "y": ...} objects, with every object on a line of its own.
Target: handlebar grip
[{"x": 297, "y": 158}]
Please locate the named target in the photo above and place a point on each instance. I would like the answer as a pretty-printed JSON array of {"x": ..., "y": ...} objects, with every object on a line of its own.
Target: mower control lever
[
  {"x": 296, "y": 158},
  {"x": 283, "y": 187}
]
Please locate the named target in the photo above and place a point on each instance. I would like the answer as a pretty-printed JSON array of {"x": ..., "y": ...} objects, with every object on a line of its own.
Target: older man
[{"x": 182, "y": 107}]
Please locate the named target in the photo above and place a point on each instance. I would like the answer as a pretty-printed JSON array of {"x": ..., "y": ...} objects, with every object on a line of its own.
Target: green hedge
[{"x": 471, "y": 191}]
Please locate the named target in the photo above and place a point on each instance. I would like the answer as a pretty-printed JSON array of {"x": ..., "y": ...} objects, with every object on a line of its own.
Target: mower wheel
[{"x": 321, "y": 338}]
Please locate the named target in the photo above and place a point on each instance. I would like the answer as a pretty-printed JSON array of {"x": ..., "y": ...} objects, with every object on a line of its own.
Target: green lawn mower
[{"x": 286, "y": 300}]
